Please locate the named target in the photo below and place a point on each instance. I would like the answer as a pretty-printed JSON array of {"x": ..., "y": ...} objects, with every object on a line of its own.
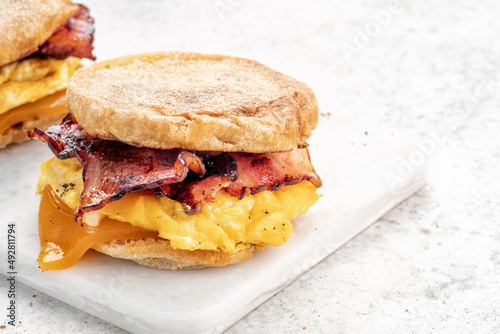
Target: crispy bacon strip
[
  {"x": 114, "y": 169},
  {"x": 271, "y": 171},
  {"x": 221, "y": 173},
  {"x": 111, "y": 169},
  {"x": 66, "y": 140},
  {"x": 73, "y": 39}
]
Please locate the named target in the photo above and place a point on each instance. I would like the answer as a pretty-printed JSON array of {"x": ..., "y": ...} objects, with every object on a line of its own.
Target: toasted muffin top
[{"x": 193, "y": 101}]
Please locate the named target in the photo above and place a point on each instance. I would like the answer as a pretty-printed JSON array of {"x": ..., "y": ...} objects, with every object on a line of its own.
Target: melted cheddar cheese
[
  {"x": 46, "y": 107},
  {"x": 225, "y": 224},
  {"x": 63, "y": 241},
  {"x": 31, "y": 79}
]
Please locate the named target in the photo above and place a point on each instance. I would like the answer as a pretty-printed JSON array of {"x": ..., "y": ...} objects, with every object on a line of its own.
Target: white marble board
[{"x": 365, "y": 173}]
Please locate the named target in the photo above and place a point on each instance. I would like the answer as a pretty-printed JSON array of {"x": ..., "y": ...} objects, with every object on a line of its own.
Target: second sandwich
[{"x": 41, "y": 45}]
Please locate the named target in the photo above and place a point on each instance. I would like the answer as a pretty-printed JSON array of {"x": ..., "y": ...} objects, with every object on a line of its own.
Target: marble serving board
[{"x": 365, "y": 173}]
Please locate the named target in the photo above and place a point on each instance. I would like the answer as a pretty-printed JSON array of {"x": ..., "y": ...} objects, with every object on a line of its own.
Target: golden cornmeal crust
[
  {"x": 159, "y": 254},
  {"x": 27, "y": 24},
  {"x": 17, "y": 135},
  {"x": 193, "y": 101}
]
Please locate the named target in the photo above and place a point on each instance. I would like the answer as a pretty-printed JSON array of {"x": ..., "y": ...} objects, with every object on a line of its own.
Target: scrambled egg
[
  {"x": 31, "y": 79},
  {"x": 226, "y": 224}
]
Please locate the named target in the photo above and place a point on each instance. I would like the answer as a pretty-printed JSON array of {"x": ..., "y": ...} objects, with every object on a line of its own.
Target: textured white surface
[{"x": 430, "y": 265}]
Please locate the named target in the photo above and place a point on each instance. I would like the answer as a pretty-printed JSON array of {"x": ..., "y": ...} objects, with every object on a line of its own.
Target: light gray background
[{"x": 433, "y": 263}]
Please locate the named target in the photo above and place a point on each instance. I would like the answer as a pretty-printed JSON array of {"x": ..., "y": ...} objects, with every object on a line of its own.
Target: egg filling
[
  {"x": 226, "y": 224},
  {"x": 31, "y": 79}
]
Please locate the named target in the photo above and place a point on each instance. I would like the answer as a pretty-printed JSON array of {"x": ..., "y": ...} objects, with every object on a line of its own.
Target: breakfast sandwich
[
  {"x": 176, "y": 160},
  {"x": 41, "y": 44}
]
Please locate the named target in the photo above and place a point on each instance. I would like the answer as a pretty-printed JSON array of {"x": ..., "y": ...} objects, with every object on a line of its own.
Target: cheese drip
[{"x": 63, "y": 241}]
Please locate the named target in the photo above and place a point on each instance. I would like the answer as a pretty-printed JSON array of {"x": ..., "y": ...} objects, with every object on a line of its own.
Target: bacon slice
[
  {"x": 271, "y": 171},
  {"x": 114, "y": 169},
  {"x": 111, "y": 169},
  {"x": 221, "y": 173},
  {"x": 66, "y": 140},
  {"x": 73, "y": 39}
]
